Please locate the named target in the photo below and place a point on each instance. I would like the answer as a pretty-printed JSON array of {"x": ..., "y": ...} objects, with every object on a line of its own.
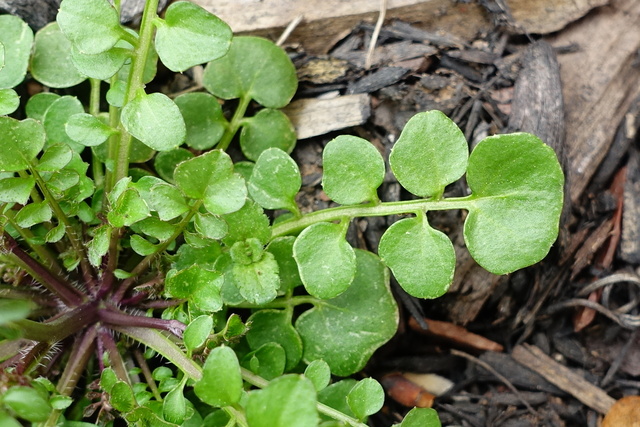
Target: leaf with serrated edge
[
  {"x": 517, "y": 195},
  {"x": 189, "y": 35},
  {"x": 255, "y": 67},
  {"x": 155, "y": 120},
  {"x": 353, "y": 169},
  {"x": 326, "y": 262},
  {"x": 275, "y": 180},
  {"x": 422, "y": 259},
  {"x": 366, "y": 315},
  {"x": 431, "y": 153}
]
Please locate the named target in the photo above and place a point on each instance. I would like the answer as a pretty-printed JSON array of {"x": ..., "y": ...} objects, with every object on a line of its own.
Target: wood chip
[
  {"x": 564, "y": 378},
  {"x": 313, "y": 116},
  {"x": 455, "y": 334}
]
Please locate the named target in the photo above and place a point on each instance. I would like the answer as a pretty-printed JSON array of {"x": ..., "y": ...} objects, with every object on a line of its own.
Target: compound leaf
[
  {"x": 189, "y": 35},
  {"x": 422, "y": 259},
  {"x": 517, "y": 193},
  {"x": 431, "y": 153},
  {"x": 275, "y": 180},
  {"x": 366, "y": 314},
  {"x": 253, "y": 67},
  {"x": 353, "y": 169},
  {"x": 326, "y": 261}
]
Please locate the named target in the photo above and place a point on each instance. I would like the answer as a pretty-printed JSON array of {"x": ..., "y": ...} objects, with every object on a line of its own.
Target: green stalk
[
  {"x": 94, "y": 110},
  {"x": 235, "y": 123},
  {"x": 382, "y": 209},
  {"x": 121, "y": 167},
  {"x": 41, "y": 251},
  {"x": 58, "y": 329}
]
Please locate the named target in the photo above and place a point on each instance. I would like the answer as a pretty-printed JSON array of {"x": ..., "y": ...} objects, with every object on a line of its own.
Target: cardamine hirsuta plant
[{"x": 143, "y": 279}]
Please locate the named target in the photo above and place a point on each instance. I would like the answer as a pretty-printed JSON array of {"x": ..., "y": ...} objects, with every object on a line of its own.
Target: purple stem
[
  {"x": 67, "y": 293},
  {"x": 104, "y": 336},
  {"x": 116, "y": 317},
  {"x": 80, "y": 354}
]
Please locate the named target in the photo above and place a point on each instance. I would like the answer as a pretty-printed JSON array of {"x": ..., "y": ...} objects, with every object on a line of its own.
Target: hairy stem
[
  {"x": 148, "y": 376},
  {"x": 118, "y": 365},
  {"x": 60, "y": 327},
  {"x": 112, "y": 316}
]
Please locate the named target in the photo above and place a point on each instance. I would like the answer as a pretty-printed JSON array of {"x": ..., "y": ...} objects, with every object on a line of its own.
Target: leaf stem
[
  {"x": 94, "y": 110},
  {"x": 59, "y": 328},
  {"x": 382, "y": 209},
  {"x": 235, "y": 122}
]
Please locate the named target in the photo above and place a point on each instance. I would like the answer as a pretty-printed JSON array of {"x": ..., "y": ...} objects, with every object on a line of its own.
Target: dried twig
[{"x": 376, "y": 34}]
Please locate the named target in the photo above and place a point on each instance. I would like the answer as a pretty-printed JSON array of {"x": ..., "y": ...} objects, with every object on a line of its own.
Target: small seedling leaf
[
  {"x": 122, "y": 398},
  {"x": 9, "y": 101},
  {"x": 319, "y": 373},
  {"x": 275, "y": 180},
  {"x": 203, "y": 118},
  {"x": 174, "y": 406},
  {"x": 246, "y": 223},
  {"x": 267, "y": 129},
  {"x": 200, "y": 286},
  {"x": 189, "y": 35},
  {"x": 38, "y": 104},
  {"x": 353, "y": 169},
  {"x": 88, "y": 130},
  {"x": 421, "y": 417},
  {"x": 16, "y": 38},
  {"x": 211, "y": 226},
  {"x": 32, "y": 214},
  {"x": 91, "y": 25},
  {"x": 56, "y": 118},
  {"x": 422, "y": 259},
  {"x": 54, "y": 158},
  {"x": 268, "y": 361},
  {"x": 197, "y": 332},
  {"x": 27, "y": 403},
  {"x": 167, "y": 201},
  {"x": 282, "y": 250},
  {"x": 128, "y": 209},
  {"x": 99, "y": 245},
  {"x": 253, "y": 67},
  {"x": 166, "y": 161},
  {"x": 275, "y": 326},
  {"x": 155, "y": 120},
  {"x": 326, "y": 262},
  {"x": 101, "y": 66},
  {"x": 221, "y": 383},
  {"x": 257, "y": 280},
  {"x": 366, "y": 398},
  {"x": 517, "y": 193},
  {"x": 51, "y": 62},
  {"x": 288, "y": 401},
  {"x": 142, "y": 246},
  {"x": 55, "y": 234},
  {"x": 366, "y": 314},
  {"x": 20, "y": 143},
  {"x": 16, "y": 189},
  {"x": 431, "y": 153}
]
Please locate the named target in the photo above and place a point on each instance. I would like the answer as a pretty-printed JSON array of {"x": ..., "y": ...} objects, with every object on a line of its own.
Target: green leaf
[
  {"x": 282, "y": 250},
  {"x": 27, "y": 403},
  {"x": 56, "y": 118},
  {"x": 288, "y": 401},
  {"x": 253, "y": 67},
  {"x": 91, "y": 25},
  {"x": 221, "y": 383},
  {"x": 54, "y": 158},
  {"x": 353, "y": 169},
  {"x": 32, "y": 214},
  {"x": 122, "y": 398},
  {"x": 275, "y": 181},
  {"x": 189, "y": 35},
  {"x": 335, "y": 396},
  {"x": 16, "y": 190},
  {"x": 88, "y": 130},
  {"x": 9, "y": 101},
  {"x": 20, "y": 143},
  {"x": 257, "y": 276},
  {"x": 99, "y": 245},
  {"x": 267, "y": 129},
  {"x": 174, "y": 406},
  {"x": 101, "y": 66},
  {"x": 155, "y": 120},
  {"x": 326, "y": 262},
  {"x": 210, "y": 177},
  {"x": 275, "y": 326},
  {"x": 197, "y": 332},
  {"x": 421, "y": 417},
  {"x": 166, "y": 161},
  {"x": 366, "y": 315},
  {"x": 268, "y": 361},
  {"x": 211, "y": 226},
  {"x": 51, "y": 62},
  {"x": 517, "y": 194},
  {"x": 422, "y": 259},
  {"x": 55, "y": 234},
  {"x": 128, "y": 209},
  {"x": 246, "y": 223},
  {"x": 156, "y": 228},
  {"x": 203, "y": 118},
  {"x": 200, "y": 286},
  {"x": 16, "y": 37},
  {"x": 38, "y": 104},
  {"x": 366, "y": 398},
  {"x": 167, "y": 201},
  {"x": 431, "y": 153},
  {"x": 203, "y": 256},
  {"x": 319, "y": 373},
  {"x": 142, "y": 246},
  {"x": 12, "y": 310}
]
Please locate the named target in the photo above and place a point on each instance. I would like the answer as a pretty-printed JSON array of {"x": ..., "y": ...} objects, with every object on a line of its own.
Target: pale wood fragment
[
  {"x": 547, "y": 16},
  {"x": 562, "y": 377},
  {"x": 314, "y": 116}
]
